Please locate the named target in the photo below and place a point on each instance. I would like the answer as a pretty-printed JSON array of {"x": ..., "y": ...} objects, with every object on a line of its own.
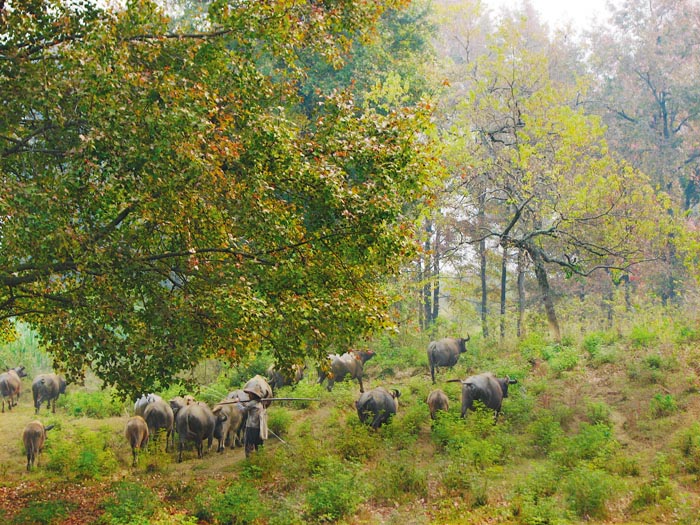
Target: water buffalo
[
  {"x": 179, "y": 402},
  {"x": 437, "y": 400},
  {"x": 195, "y": 422},
  {"x": 445, "y": 352},
  {"x": 11, "y": 386},
  {"x": 229, "y": 421},
  {"x": 34, "y": 436},
  {"x": 259, "y": 383},
  {"x": 158, "y": 415},
  {"x": 136, "y": 433},
  {"x": 486, "y": 388},
  {"x": 350, "y": 364},
  {"x": 143, "y": 402},
  {"x": 278, "y": 378},
  {"x": 47, "y": 387},
  {"x": 377, "y": 406}
]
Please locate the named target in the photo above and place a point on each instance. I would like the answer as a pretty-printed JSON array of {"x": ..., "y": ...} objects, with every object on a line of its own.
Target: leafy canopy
[{"x": 166, "y": 197}]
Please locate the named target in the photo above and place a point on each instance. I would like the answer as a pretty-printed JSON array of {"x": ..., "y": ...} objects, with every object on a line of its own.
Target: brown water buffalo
[
  {"x": 229, "y": 421},
  {"x": 350, "y": 364},
  {"x": 47, "y": 387},
  {"x": 11, "y": 386},
  {"x": 136, "y": 433},
  {"x": 445, "y": 353},
  {"x": 34, "y": 437},
  {"x": 437, "y": 400},
  {"x": 377, "y": 406},
  {"x": 279, "y": 378},
  {"x": 158, "y": 415},
  {"x": 486, "y": 388},
  {"x": 195, "y": 422}
]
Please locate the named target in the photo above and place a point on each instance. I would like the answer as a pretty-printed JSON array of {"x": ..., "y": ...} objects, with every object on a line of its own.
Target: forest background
[{"x": 201, "y": 183}]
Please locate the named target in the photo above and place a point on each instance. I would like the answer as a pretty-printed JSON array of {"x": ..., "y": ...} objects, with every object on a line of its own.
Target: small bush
[
  {"x": 279, "y": 421},
  {"x": 662, "y": 405},
  {"x": 357, "y": 443},
  {"x": 658, "y": 490},
  {"x": 98, "y": 404},
  {"x": 642, "y": 337},
  {"x": 397, "y": 477},
  {"x": 598, "y": 412},
  {"x": 546, "y": 433},
  {"x": 43, "y": 512},
  {"x": 239, "y": 504},
  {"x": 592, "y": 344},
  {"x": 532, "y": 345},
  {"x": 131, "y": 504},
  {"x": 333, "y": 493},
  {"x": 587, "y": 491},
  {"x": 593, "y": 443},
  {"x": 84, "y": 454},
  {"x": 688, "y": 444}
]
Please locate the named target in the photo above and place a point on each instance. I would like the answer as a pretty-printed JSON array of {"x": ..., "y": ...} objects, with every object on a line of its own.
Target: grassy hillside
[{"x": 601, "y": 429}]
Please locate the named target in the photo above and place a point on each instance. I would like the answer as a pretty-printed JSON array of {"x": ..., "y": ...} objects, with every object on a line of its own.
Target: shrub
[
  {"x": 598, "y": 412},
  {"x": 587, "y": 491},
  {"x": 642, "y": 336},
  {"x": 98, "y": 404},
  {"x": 397, "y": 476},
  {"x": 658, "y": 490},
  {"x": 663, "y": 405},
  {"x": 357, "y": 443},
  {"x": 592, "y": 344},
  {"x": 43, "y": 512},
  {"x": 83, "y": 454},
  {"x": 333, "y": 493},
  {"x": 593, "y": 443},
  {"x": 562, "y": 359},
  {"x": 131, "y": 504},
  {"x": 546, "y": 433},
  {"x": 239, "y": 504},
  {"x": 278, "y": 421},
  {"x": 688, "y": 444},
  {"x": 532, "y": 345}
]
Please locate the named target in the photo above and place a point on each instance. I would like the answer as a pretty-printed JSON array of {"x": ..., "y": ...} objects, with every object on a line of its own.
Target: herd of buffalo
[{"x": 195, "y": 421}]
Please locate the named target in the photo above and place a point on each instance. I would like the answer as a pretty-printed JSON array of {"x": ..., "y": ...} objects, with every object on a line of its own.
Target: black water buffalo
[
  {"x": 377, "y": 406},
  {"x": 229, "y": 421},
  {"x": 159, "y": 415},
  {"x": 47, "y": 387},
  {"x": 142, "y": 402},
  {"x": 486, "y": 388},
  {"x": 34, "y": 437},
  {"x": 136, "y": 433},
  {"x": 11, "y": 386},
  {"x": 437, "y": 400},
  {"x": 445, "y": 353},
  {"x": 350, "y": 364},
  {"x": 195, "y": 422},
  {"x": 279, "y": 378}
]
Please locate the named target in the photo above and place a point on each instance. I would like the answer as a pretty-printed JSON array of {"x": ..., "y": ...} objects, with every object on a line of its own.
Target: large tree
[
  {"x": 166, "y": 198},
  {"x": 645, "y": 60},
  {"x": 539, "y": 176}
]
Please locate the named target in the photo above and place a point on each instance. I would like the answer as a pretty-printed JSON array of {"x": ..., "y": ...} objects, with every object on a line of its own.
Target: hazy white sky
[{"x": 558, "y": 12}]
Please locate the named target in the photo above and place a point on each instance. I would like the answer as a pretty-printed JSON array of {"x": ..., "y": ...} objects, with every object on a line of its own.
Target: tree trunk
[
  {"x": 427, "y": 276},
  {"x": 546, "y": 291},
  {"x": 421, "y": 310},
  {"x": 482, "y": 270},
  {"x": 436, "y": 278},
  {"x": 521, "y": 291},
  {"x": 504, "y": 275}
]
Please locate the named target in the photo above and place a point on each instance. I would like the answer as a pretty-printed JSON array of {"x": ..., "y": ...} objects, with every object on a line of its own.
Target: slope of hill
[{"x": 602, "y": 431}]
